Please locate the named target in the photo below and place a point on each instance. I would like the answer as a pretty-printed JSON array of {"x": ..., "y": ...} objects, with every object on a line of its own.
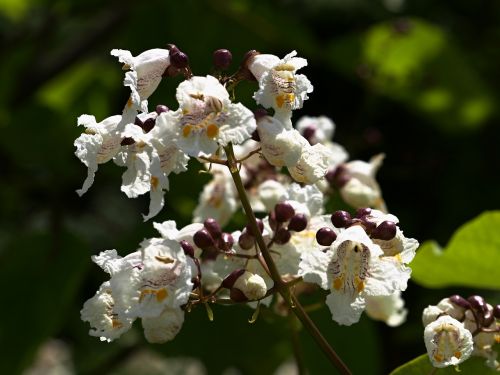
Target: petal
[
  {"x": 312, "y": 165},
  {"x": 164, "y": 327},
  {"x": 313, "y": 266},
  {"x": 238, "y": 126},
  {"x": 389, "y": 309},
  {"x": 346, "y": 309}
]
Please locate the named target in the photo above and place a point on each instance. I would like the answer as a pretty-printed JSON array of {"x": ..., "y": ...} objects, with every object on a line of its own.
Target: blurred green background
[{"x": 417, "y": 80}]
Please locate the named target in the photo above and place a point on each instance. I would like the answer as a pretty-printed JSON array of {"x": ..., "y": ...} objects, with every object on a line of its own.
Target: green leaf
[
  {"x": 470, "y": 259},
  {"x": 422, "y": 366}
]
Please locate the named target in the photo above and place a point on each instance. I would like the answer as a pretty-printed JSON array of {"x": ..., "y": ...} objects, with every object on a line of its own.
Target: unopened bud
[
  {"x": 341, "y": 219},
  {"x": 260, "y": 225},
  {"x": 213, "y": 227},
  {"x": 477, "y": 303},
  {"x": 252, "y": 285},
  {"x": 160, "y": 108},
  {"x": 188, "y": 248},
  {"x": 284, "y": 212},
  {"x": 222, "y": 59},
  {"x": 179, "y": 59},
  {"x": 298, "y": 223},
  {"x": 361, "y": 212},
  {"x": 246, "y": 240},
  {"x": 237, "y": 295},
  {"x": 228, "y": 240},
  {"x": 460, "y": 301},
  {"x": 385, "y": 231},
  {"x": 203, "y": 239},
  {"x": 496, "y": 311},
  {"x": 229, "y": 280},
  {"x": 282, "y": 236},
  {"x": 325, "y": 236}
]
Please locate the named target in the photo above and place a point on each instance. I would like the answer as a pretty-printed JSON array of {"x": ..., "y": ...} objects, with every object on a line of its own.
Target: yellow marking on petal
[
  {"x": 438, "y": 357},
  {"x": 115, "y": 323},
  {"x": 497, "y": 339},
  {"x": 360, "y": 284},
  {"x": 186, "y": 130},
  {"x": 286, "y": 67},
  {"x": 129, "y": 102},
  {"x": 154, "y": 182},
  {"x": 398, "y": 258},
  {"x": 338, "y": 283},
  {"x": 90, "y": 131},
  {"x": 290, "y": 97},
  {"x": 165, "y": 260},
  {"x": 212, "y": 131},
  {"x": 457, "y": 354},
  {"x": 280, "y": 100},
  {"x": 161, "y": 294}
]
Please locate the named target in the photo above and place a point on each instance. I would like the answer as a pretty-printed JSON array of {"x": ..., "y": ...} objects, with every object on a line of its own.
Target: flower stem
[{"x": 281, "y": 286}]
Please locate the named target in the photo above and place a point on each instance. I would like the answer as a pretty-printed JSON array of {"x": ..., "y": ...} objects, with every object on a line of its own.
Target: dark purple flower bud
[
  {"x": 309, "y": 133},
  {"x": 338, "y": 177},
  {"x": 246, "y": 240},
  {"x": 368, "y": 226},
  {"x": 284, "y": 212},
  {"x": 260, "y": 225},
  {"x": 203, "y": 239},
  {"x": 188, "y": 248},
  {"x": 273, "y": 223},
  {"x": 478, "y": 304},
  {"x": 249, "y": 56},
  {"x": 237, "y": 295},
  {"x": 172, "y": 48},
  {"x": 222, "y": 59},
  {"x": 325, "y": 236},
  {"x": 229, "y": 280},
  {"x": 127, "y": 141},
  {"x": 228, "y": 240},
  {"x": 213, "y": 227},
  {"x": 488, "y": 317},
  {"x": 160, "y": 108},
  {"x": 385, "y": 231},
  {"x": 360, "y": 212},
  {"x": 179, "y": 59},
  {"x": 148, "y": 124},
  {"x": 298, "y": 223},
  {"x": 282, "y": 236},
  {"x": 341, "y": 219},
  {"x": 460, "y": 301},
  {"x": 496, "y": 311}
]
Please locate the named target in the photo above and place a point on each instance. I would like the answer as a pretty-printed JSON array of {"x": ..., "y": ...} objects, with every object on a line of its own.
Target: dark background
[{"x": 417, "y": 80}]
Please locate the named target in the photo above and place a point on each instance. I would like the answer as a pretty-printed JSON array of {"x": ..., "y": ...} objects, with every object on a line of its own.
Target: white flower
[
  {"x": 362, "y": 190},
  {"x": 252, "y": 285},
  {"x": 316, "y": 129},
  {"x": 281, "y": 144},
  {"x": 280, "y": 87},
  {"x": 389, "y": 309},
  {"x": 145, "y": 74},
  {"x": 207, "y": 119},
  {"x": 430, "y": 314},
  {"x": 99, "y": 144},
  {"x": 352, "y": 269},
  {"x": 447, "y": 341},
  {"x": 312, "y": 165},
  {"x": 271, "y": 192},
  {"x": 105, "y": 321},
  {"x": 218, "y": 199}
]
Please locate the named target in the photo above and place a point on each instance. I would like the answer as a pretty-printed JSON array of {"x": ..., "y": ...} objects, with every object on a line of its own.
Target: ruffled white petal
[
  {"x": 389, "y": 309},
  {"x": 313, "y": 267},
  {"x": 312, "y": 165},
  {"x": 346, "y": 309},
  {"x": 165, "y": 327}
]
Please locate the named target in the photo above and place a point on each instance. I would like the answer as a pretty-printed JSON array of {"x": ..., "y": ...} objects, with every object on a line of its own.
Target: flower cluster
[
  {"x": 359, "y": 257},
  {"x": 457, "y": 328}
]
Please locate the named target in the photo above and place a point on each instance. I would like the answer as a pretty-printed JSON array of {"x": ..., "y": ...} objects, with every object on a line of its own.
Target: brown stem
[{"x": 282, "y": 287}]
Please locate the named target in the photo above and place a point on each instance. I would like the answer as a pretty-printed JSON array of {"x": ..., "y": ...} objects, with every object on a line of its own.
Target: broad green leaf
[
  {"x": 470, "y": 259},
  {"x": 422, "y": 366}
]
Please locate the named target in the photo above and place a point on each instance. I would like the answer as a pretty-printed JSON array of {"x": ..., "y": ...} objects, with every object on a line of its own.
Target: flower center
[
  {"x": 283, "y": 78},
  {"x": 447, "y": 343},
  {"x": 206, "y": 117},
  {"x": 350, "y": 268}
]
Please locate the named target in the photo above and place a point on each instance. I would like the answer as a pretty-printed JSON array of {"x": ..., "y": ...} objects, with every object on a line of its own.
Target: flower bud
[
  {"x": 252, "y": 285},
  {"x": 478, "y": 304},
  {"x": 488, "y": 316},
  {"x": 284, "y": 212},
  {"x": 179, "y": 59},
  {"x": 222, "y": 59},
  {"x": 237, "y": 295},
  {"x": 460, "y": 301},
  {"x": 338, "y": 177},
  {"x": 127, "y": 141},
  {"x": 260, "y": 225},
  {"x": 385, "y": 231},
  {"x": 213, "y": 227},
  {"x": 282, "y": 236},
  {"x": 246, "y": 240},
  {"x": 298, "y": 223},
  {"x": 325, "y": 236},
  {"x": 228, "y": 240},
  {"x": 341, "y": 219},
  {"x": 308, "y": 133},
  {"x": 188, "y": 248},
  {"x": 203, "y": 239},
  {"x": 229, "y": 280},
  {"x": 496, "y": 312},
  {"x": 160, "y": 108},
  {"x": 148, "y": 124},
  {"x": 360, "y": 212}
]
